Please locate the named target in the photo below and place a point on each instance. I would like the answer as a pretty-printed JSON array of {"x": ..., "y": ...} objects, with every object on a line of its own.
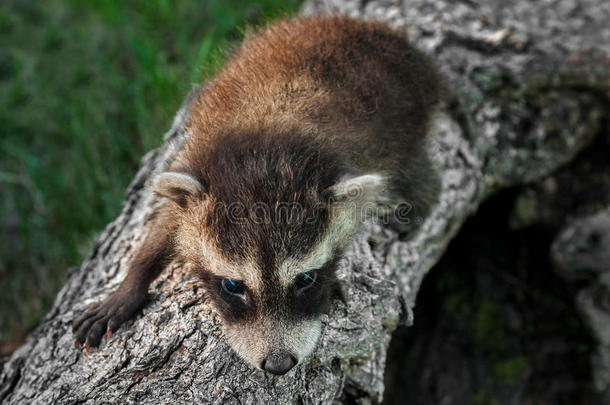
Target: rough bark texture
[
  {"x": 582, "y": 253},
  {"x": 530, "y": 88}
]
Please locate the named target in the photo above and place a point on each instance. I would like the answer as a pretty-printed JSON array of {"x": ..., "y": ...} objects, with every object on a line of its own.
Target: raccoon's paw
[{"x": 105, "y": 318}]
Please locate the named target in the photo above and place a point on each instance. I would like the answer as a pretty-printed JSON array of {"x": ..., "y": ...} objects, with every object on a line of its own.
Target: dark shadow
[{"x": 493, "y": 323}]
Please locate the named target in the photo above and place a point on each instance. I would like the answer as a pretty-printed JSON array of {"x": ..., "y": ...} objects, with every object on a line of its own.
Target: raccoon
[{"x": 312, "y": 125}]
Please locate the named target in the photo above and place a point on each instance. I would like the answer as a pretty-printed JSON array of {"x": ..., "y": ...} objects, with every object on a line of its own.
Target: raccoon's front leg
[{"x": 128, "y": 299}]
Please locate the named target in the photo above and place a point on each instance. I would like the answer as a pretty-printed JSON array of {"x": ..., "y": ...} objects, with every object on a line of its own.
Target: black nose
[{"x": 279, "y": 363}]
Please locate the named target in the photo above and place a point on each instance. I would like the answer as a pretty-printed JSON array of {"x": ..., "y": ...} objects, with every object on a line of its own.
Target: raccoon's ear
[
  {"x": 178, "y": 187},
  {"x": 357, "y": 189}
]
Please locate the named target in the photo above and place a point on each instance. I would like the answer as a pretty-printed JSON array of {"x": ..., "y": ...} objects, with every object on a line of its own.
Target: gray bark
[
  {"x": 581, "y": 252},
  {"x": 530, "y": 86}
]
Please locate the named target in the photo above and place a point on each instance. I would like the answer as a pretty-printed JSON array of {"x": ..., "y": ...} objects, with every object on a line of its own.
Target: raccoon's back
[{"x": 351, "y": 83}]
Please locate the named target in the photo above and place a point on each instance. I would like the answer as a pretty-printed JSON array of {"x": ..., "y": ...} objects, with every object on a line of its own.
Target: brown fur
[
  {"x": 303, "y": 105},
  {"x": 357, "y": 87}
]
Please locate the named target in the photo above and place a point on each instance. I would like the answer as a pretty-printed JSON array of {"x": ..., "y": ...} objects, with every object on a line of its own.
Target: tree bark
[
  {"x": 581, "y": 252},
  {"x": 529, "y": 88}
]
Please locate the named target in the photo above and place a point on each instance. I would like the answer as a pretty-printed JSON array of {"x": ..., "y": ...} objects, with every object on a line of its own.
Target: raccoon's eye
[
  {"x": 305, "y": 280},
  {"x": 232, "y": 287}
]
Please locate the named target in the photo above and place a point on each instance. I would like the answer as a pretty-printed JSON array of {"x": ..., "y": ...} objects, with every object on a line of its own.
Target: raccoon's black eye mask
[{"x": 236, "y": 287}]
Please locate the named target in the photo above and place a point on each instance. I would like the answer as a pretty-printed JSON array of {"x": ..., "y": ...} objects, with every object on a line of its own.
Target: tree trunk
[{"x": 530, "y": 87}]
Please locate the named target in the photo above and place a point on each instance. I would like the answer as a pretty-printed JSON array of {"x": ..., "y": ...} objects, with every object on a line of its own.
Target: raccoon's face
[
  {"x": 267, "y": 266},
  {"x": 272, "y": 321}
]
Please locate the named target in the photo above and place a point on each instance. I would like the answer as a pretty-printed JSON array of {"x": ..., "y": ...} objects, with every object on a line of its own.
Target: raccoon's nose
[{"x": 279, "y": 363}]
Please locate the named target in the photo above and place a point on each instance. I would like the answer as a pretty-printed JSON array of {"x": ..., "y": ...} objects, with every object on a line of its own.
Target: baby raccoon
[{"x": 311, "y": 124}]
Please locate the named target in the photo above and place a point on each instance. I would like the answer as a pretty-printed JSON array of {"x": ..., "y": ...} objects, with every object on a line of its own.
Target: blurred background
[{"x": 86, "y": 88}]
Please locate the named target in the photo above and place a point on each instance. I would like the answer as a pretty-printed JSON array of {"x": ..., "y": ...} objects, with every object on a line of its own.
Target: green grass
[{"x": 86, "y": 88}]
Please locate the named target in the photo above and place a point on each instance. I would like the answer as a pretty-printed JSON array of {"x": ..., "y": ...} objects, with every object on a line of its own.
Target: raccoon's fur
[{"x": 310, "y": 125}]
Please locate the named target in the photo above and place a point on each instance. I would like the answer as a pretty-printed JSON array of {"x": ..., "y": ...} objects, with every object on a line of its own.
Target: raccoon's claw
[{"x": 104, "y": 318}]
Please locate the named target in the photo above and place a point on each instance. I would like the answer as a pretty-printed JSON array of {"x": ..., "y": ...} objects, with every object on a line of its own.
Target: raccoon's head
[{"x": 264, "y": 225}]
